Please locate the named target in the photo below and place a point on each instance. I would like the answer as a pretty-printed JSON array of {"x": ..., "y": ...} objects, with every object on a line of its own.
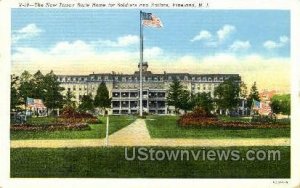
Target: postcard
[{"x": 149, "y": 93}]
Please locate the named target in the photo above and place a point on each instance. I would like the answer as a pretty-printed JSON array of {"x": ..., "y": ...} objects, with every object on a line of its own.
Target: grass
[
  {"x": 97, "y": 130},
  {"x": 110, "y": 163},
  {"x": 166, "y": 127}
]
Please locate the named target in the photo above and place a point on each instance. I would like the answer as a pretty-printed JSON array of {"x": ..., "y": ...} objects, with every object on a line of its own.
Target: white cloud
[
  {"x": 251, "y": 68},
  {"x": 120, "y": 42},
  {"x": 270, "y": 44},
  {"x": 283, "y": 39},
  {"x": 214, "y": 40},
  {"x": 225, "y": 31},
  {"x": 203, "y": 35},
  {"x": 79, "y": 57},
  {"x": 29, "y": 31},
  {"x": 239, "y": 45},
  {"x": 152, "y": 52},
  {"x": 66, "y": 48}
]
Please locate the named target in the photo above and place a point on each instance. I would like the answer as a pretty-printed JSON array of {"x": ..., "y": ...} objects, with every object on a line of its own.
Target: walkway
[{"x": 136, "y": 134}]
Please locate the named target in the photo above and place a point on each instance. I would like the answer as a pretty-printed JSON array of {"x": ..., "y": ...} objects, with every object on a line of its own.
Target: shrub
[
  {"x": 263, "y": 119},
  {"x": 70, "y": 115},
  {"x": 199, "y": 118},
  {"x": 69, "y": 112}
]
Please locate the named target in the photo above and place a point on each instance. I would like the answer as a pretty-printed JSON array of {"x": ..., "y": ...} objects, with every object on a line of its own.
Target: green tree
[
  {"x": 87, "y": 104},
  {"x": 203, "y": 100},
  {"x": 52, "y": 97},
  {"x": 68, "y": 100},
  {"x": 102, "y": 99},
  {"x": 253, "y": 95},
  {"x": 26, "y": 87},
  {"x": 227, "y": 94},
  {"x": 14, "y": 93},
  {"x": 174, "y": 94},
  {"x": 243, "y": 92},
  {"x": 281, "y": 104},
  {"x": 185, "y": 100},
  {"x": 38, "y": 85}
]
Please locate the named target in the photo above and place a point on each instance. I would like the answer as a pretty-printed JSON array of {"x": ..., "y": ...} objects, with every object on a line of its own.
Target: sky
[{"x": 253, "y": 43}]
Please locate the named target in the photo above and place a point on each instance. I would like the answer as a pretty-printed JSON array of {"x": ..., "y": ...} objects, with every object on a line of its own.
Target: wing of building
[{"x": 124, "y": 88}]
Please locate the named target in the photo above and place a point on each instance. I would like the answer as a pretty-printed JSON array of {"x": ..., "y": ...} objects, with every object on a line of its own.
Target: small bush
[
  {"x": 199, "y": 118},
  {"x": 69, "y": 112},
  {"x": 263, "y": 119}
]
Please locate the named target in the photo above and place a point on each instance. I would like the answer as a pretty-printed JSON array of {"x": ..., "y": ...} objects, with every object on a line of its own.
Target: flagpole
[{"x": 141, "y": 65}]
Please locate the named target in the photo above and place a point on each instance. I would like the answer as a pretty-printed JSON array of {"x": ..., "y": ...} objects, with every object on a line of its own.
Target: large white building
[{"x": 124, "y": 88}]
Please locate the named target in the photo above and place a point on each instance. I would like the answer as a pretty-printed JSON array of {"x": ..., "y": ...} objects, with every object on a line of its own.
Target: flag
[
  {"x": 262, "y": 107},
  {"x": 150, "y": 20},
  {"x": 35, "y": 103},
  {"x": 38, "y": 103},
  {"x": 255, "y": 105},
  {"x": 265, "y": 108}
]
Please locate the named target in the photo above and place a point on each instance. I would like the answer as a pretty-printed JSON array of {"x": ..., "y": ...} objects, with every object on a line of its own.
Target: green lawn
[
  {"x": 166, "y": 127},
  {"x": 110, "y": 162},
  {"x": 97, "y": 130}
]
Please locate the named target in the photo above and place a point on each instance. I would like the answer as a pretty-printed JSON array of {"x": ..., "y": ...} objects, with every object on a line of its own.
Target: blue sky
[
  {"x": 252, "y": 43},
  {"x": 180, "y": 26}
]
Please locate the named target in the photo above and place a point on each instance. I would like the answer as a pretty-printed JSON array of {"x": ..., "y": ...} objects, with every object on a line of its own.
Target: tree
[
  {"x": 253, "y": 95},
  {"x": 87, "y": 103},
  {"x": 185, "y": 100},
  {"x": 68, "y": 100},
  {"x": 244, "y": 91},
  {"x": 26, "y": 87},
  {"x": 15, "y": 100},
  {"x": 174, "y": 94},
  {"x": 281, "y": 104},
  {"x": 203, "y": 100},
  {"x": 102, "y": 99},
  {"x": 38, "y": 85},
  {"x": 227, "y": 94},
  {"x": 52, "y": 97}
]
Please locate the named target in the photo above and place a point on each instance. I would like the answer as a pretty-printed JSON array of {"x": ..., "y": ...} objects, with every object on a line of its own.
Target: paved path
[{"x": 136, "y": 134}]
